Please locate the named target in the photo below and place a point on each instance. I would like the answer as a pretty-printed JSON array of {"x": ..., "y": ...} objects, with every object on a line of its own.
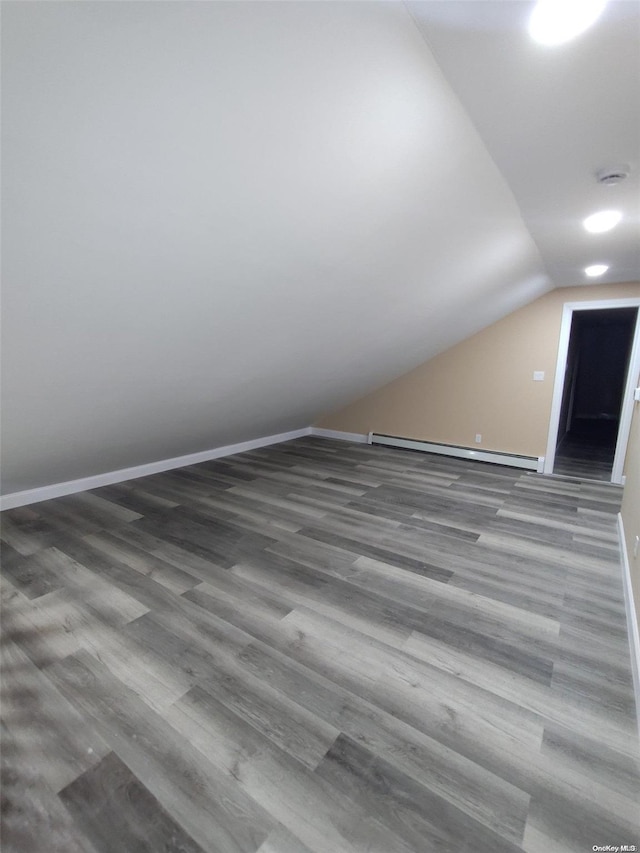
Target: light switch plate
[{"x": 538, "y": 375}]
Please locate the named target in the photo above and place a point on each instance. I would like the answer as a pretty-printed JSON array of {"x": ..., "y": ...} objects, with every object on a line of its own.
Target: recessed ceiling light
[
  {"x": 604, "y": 220},
  {"x": 557, "y": 21},
  {"x": 596, "y": 270},
  {"x": 613, "y": 175}
]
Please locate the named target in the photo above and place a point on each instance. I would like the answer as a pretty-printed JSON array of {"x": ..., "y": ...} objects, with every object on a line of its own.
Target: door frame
[{"x": 626, "y": 411}]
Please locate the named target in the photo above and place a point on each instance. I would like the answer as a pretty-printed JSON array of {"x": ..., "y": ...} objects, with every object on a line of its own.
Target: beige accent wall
[
  {"x": 631, "y": 503},
  {"x": 482, "y": 385}
]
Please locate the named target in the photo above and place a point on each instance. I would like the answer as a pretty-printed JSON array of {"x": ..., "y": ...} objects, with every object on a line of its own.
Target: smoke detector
[{"x": 612, "y": 175}]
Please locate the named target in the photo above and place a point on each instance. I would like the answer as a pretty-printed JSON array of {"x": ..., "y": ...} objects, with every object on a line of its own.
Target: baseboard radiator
[{"x": 531, "y": 463}]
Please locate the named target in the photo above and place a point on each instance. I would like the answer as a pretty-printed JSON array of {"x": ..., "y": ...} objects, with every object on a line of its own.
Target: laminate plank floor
[
  {"x": 318, "y": 647},
  {"x": 587, "y": 451}
]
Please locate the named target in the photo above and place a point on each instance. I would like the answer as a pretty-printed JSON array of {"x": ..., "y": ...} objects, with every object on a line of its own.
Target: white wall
[{"x": 223, "y": 219}]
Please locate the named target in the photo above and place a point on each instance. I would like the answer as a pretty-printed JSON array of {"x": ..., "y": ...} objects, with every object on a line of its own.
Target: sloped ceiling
[
  {"x": 551, "y": 118},
  {"x": 223, "y": 219}
]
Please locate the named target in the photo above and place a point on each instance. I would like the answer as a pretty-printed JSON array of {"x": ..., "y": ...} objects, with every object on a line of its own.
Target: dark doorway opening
[{"x": 595, "y": 375}]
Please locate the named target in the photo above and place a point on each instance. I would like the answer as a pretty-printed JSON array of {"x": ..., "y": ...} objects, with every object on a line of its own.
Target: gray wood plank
[
  {"x": 118, "y": 813},
  {"x": 481, "y": 794},
  {"x": 51, "y": 739},
  {"x": 209, "y": 807},
  {"x": 423, "y": 819},
  {"x": 319, "y": 647},
  {"x": 34, "y": 820}
]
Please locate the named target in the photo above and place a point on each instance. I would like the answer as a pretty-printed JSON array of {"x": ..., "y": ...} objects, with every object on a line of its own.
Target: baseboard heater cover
[{"x": 531, "y": 463}]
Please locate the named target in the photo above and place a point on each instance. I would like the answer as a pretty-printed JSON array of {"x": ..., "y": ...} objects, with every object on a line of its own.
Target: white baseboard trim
[
  {"x": 71, "y": 487},
  {"x": 359, "y": 438},
  {"x": 632, "y": 620}
]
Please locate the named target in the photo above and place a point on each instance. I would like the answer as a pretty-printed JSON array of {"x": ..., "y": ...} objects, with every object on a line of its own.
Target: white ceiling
[
  {"x": 222, "y": 220},
  {"x": 551, "y": 117}
]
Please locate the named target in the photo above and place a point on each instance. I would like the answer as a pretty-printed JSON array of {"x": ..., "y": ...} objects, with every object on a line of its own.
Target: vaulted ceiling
[
  {"x": 552, "y": 117},
  {"x": 223, "y": 219}
]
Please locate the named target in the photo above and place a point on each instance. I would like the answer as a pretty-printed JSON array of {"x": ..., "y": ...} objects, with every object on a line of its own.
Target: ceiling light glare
[
  {"x": 557, "y": 21},
  {"x": 602, "y": 221},
  {"x": 596, "y": 270}
]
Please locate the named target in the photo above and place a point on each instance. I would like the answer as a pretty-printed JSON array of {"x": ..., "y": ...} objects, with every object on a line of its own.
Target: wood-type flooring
[
  {"x": 588, "y": 450},
  {"x": 318, "y": 646}
]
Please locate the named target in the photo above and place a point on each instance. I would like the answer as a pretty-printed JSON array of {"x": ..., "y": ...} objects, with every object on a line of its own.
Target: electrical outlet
[
  {"x": 478, "y": 438},
  {"x": 635, "y": 546}
]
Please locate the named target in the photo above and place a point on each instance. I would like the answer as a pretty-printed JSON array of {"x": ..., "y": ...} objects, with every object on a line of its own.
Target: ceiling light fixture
[
  {"x": 556, "y": 21},
  {"x": 613, "y": 175},
  {"x": 595, "y": 270},
  {"x": 602, "y": 221}
]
